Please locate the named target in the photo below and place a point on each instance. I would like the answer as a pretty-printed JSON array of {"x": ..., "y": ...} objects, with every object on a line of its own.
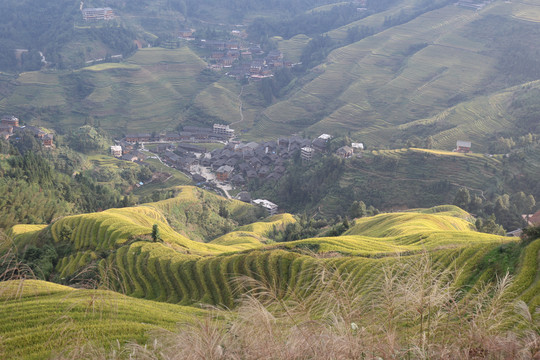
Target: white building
[
  {"x": 307, "y": 153},
  {"x": 223, "y": 129},
  {"x": 116, "y": 151},
  {"x": 357, "y": 146},
  {"x": 98, "y": 14},
  {"x": 325, "y": 137},
  {"x": 268, "y": 205}
]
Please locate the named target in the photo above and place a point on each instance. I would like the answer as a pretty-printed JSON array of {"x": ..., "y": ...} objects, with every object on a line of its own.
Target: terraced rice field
[
  {"x": 41, "y": 318},
  {"x": 221, "y": 100},
  {"x": 181, "y": 270},
  {"x": 528, "y": 10},
  {"x": 292, "y": 48},
  {"x": 186, "y": 272},
  {"x": 148, "y": 92},
  {"x": 410, "y": 177}
]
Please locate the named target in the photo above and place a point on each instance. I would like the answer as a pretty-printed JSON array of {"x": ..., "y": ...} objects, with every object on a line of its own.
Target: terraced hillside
[
  {"x": 41, "y": 318},
  {"x": 180, "y": 270},
  {"x": 444, "y": 73},
  {"x": 155, "y": 84},
  {"x": 386, "y": 83},
  {"x": 113, "y": 248},
  {"x": 403, "y": 179}
]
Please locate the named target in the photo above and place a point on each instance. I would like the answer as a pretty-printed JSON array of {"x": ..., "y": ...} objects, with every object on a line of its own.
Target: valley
[{"x": 380, "y": 160}]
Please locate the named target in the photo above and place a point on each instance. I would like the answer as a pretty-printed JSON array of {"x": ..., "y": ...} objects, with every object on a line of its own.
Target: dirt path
[{"x": 241, "y": 107}]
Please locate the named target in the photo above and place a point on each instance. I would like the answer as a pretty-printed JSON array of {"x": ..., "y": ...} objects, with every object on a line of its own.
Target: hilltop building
[
  {"x": 357, "y": 146},
  {"x": 47, "y": 140},
  {"x": 345, "y": 152},
  {"x": 185, "y": 33},
  {"x": 91, "y": 14},
  {"x": 268, "y": 205},
  {"x": 325, "y": 137},
  {"x": 10, "y": 121}
]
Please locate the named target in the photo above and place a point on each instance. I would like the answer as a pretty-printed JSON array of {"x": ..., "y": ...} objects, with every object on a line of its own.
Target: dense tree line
[
  {"x": 37, "y": 186},
  {"x": 87, "y": 139},
  {"x": 506, "y": 210},
  {"x": 43, "y": 25},
  {"x": 304, "y": 186},
  {"x": 276, "y": 86}
]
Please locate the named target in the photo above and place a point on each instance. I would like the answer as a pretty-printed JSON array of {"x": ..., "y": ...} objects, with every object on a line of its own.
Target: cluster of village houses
[
  {"x": 243, "y": 59},
  {"x": 9, "y": 127},
  {"x": 236, "y": 163}
]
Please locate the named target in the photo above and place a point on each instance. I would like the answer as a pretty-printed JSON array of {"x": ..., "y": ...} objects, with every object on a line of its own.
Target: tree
[
  {"x": 489, "y": 226},
  {"x": 357, "y": 209},
  {"x": 463, "y": 198},
  {"x": 223, "y": 211},
  {"x": 531, "y": 233},
  {"x": 155, "y": 233},
  {"x": 530, "y": 203},
  {"x": 520, "y": 201},
  {"x": 65, "y": 233},
  {"x": 346, "y": 224}
]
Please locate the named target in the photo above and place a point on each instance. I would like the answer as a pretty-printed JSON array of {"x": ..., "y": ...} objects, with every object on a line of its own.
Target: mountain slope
[{"x": 375, "y": 87}]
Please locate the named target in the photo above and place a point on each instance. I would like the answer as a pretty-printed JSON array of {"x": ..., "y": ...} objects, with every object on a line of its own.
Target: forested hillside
[{"x": 53, "y": 28}]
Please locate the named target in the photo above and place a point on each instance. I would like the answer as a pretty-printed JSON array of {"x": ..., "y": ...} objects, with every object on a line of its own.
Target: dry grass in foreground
[{"x": 413, "y": 312}]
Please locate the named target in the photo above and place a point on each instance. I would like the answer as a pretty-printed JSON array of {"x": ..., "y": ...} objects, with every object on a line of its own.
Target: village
[
  {"x": 240, "y": 58},
  {"x": 234, "y": 165}
]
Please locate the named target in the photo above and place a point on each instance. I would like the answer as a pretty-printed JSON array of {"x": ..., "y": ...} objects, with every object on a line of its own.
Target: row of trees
[{"x": 505, "y": 209}]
